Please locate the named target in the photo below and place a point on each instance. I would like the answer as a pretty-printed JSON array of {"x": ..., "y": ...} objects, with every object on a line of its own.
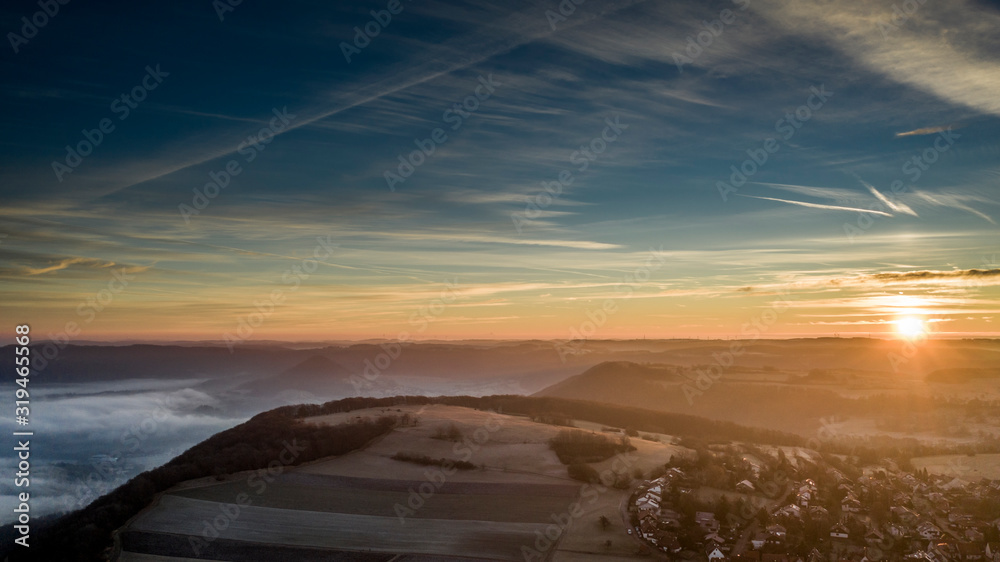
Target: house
[
  {"x": 954, "y": 484},
  {"x": 714, "y": 553},
  {"x": 928, "y": 531},
  {"x": 758, "y": 540},
  {"x": 894, "y": 531},
  {"x": 647, "y": 527},
  {"x": 940, "y": 502},
  {"x": 803, "y": 498},
  {"x": 646, "y": 507},
  {"x": 777, "y": 530},
  {"x": 791, "y": 511},
  {"x": 970, "y": 551},
  {"x": 943, "y": 552},
  {"x": 850, "y": 504},
  {"x": 993, "y": 551},
  {"x": 873, "y": 536},
  {"x": 904, "y": 515},
  {"x": 706, "y": 520},
  {"x": 962, "y": 519},
  {"x": 745, "y": 486},
  {"x": 818, "y": 512},
  {"x": 902, "y": 498},
  {"x": 715, "y": 540},
  {"x": 974, "y": 535},
  {"x": 670, "y": 543},
  {"x": 839, "y": 531}
]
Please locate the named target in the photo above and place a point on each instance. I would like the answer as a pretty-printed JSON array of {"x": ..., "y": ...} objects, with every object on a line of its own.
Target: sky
[{"x": 471, "y": 170}]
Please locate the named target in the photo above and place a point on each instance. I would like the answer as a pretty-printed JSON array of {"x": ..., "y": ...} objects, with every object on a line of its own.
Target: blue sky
[{"x": 474, "y": 212}]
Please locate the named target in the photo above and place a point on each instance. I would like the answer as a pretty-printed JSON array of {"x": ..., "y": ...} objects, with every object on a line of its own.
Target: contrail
[
  {"x": 895, "y": 206},
  {"x": 820, "y": 206},
  {"x": 421, "y": 73}
]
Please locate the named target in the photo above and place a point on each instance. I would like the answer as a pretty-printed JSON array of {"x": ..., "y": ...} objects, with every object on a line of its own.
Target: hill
[
  {"x": 317, "y": 375},
  {"x": 261, "y": 447},
  {"x": 732, "y": 396},
  {"x": 846, "y": 401}
]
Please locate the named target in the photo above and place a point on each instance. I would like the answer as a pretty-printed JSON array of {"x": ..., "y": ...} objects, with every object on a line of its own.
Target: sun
[{"x": 911, "y": 327}]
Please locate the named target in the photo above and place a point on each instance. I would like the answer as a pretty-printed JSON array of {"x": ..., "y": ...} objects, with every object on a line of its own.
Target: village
[{"x": 742, "y": 503}]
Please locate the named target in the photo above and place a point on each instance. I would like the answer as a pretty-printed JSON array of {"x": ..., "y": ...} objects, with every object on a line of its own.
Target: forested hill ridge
[{"x": 802, "y": 402}]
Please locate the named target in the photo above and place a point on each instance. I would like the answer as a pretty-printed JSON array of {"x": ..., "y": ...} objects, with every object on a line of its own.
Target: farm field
[
  {"x": 135, "y": 557},
  {"x": 531, "y": 503},
  {"x": 339, "y": 531},
  {"x": 512, "y": 445},
  {"x": 367, "y": 506},
  {"x": 963, "y": 467},
  {"x": 587, "y": 536}
]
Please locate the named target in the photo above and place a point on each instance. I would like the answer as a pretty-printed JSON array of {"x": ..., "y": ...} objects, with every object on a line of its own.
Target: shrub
[
  {"x": 580, "y": 446},
  {"x": 583, "y": 472},
  {"x": 424, "y": 460}
]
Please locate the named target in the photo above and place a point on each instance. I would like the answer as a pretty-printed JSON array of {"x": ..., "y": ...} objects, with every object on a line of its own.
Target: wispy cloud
[
  {"x": 930, "y": 275},
  {"x": 465, "y": 52},
  {"x": 897, "y": 205},
  {"x": 833, "y": 193},
  {"x": 818, "y": 205},
  {"x": 67, "y": 262},
  {"x": 954, "y": 201},
  {"x": 921, "y": 53},
  {"x": 926, "y": 131}
]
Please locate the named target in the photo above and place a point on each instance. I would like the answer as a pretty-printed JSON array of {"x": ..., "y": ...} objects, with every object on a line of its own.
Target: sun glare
[{"x": 911, "y": 327}]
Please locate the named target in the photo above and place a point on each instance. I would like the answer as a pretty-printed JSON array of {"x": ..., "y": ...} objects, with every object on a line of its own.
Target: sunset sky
[{"x": 897, "y": 115}]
